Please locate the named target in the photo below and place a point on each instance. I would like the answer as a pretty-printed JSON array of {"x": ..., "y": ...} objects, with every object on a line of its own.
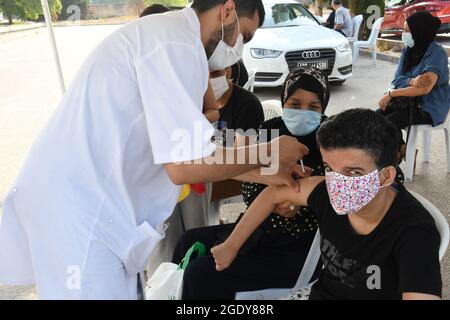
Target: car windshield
[
  {"x": 397, "y": 3},
  {"x": 287, "y": 15}
]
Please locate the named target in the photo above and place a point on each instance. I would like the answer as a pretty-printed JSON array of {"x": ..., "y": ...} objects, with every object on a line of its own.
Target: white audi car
[{"x": 290, "y": 37}]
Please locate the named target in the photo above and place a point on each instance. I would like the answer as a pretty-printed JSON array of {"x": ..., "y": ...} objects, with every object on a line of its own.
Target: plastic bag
[{"x": 167, "y": 281}]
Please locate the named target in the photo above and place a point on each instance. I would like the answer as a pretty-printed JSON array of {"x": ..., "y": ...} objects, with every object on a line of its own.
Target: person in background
[
  {"x": 423, "y": 73},
  {"x": 277, "y": 250},
  {"x": 343, "y": 20},
  {"x": 239, "y": 109},
  {"x": 154, "y": 9},
  {"x": 330, "y": 20},
  {"x": 377, "y": 242},
  {"x": 239, "y": 74}
]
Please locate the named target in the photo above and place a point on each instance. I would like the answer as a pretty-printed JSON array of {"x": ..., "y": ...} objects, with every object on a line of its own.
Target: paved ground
[{"x": 30, "y": 93}]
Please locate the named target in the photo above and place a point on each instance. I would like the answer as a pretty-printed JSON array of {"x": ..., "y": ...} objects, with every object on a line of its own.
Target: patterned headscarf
[{"x": 310, "y": 79}]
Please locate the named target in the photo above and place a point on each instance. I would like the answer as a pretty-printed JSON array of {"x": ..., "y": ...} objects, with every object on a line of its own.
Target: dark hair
[
  {"x": 244, "y": 8},
  {"x": 337, "y": 2},
  {"x": 361, "y": 129},
  {"x": 154, "y": 9}
]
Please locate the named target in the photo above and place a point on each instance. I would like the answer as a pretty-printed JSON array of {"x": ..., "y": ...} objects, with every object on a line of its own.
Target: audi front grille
[{"x": 293, "y": 58}]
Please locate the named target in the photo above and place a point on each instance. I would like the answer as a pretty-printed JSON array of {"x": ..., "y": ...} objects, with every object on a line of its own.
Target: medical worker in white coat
[{"x": 89, "y": 204}]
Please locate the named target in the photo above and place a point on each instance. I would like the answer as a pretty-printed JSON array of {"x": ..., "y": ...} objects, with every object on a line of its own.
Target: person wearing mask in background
[
  {"x": 343, "y": 20},
  {"x": 376, "y": 242},
  {"x": 88, "y": 206},
  {"x": 239, "y": 76},
  {"x": 277, "y": 250},
  {"x": 239, "y": 108},
  {"x": 423, "y": 73}
]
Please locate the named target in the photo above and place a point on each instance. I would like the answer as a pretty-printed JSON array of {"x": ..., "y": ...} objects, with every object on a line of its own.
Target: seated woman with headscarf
[
  {"x": 423, "y": 73},
  {"x": 274, "y": 255}
]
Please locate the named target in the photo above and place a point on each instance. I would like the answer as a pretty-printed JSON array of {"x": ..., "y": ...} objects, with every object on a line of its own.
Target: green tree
[
  {"x": 167, "y": 3},
  {"x": 27, "y": 9}
]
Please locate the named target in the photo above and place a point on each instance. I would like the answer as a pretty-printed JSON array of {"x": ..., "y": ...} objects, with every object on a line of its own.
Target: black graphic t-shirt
[{"x": 400, "y": 255}]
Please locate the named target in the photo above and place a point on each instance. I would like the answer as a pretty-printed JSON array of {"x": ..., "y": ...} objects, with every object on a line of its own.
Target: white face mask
[
  {"x": 408, "y": 39},
  {"x": 225, "y": 56},
  {"x": 220, "y": 86}
]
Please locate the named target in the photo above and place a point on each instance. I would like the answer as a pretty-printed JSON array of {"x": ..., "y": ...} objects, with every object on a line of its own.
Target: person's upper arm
[
  {"x": 437, "y": 63},
  {"x": 401, "y": 80},
  {"x": 307, "y": 187},
  {"x": 318, "y": 199},
  {"x": 172, "y": 82},
  {"x": 417, "y": 258}
]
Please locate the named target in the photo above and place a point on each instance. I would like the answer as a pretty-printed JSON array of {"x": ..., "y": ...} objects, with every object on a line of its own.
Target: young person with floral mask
[
  {"x": 422, "y": 73},
  {"x": 279, "y": 247},
  {"x": 377, "y": 242}
]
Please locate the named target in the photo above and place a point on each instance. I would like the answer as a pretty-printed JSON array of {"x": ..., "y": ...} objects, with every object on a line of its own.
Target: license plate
[{"x": 322, "y": 65}]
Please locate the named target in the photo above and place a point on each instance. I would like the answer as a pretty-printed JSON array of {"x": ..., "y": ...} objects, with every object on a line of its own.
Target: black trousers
[
  {"x": 401, "y": 119},
  {"x": 271, "y": 264}
]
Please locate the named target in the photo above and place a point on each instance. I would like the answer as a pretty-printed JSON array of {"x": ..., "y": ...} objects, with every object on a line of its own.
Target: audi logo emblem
[{"x": 311, "y": 54}]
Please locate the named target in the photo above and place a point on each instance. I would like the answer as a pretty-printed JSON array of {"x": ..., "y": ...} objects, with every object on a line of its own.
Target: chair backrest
[
  {"x": 272, "y": 109},
  {"x": 375, "y": 30},
  {"x": 357, "y": 21},
  {"x": 441, "y": 223},
  {"x": 250, "y": 85}
]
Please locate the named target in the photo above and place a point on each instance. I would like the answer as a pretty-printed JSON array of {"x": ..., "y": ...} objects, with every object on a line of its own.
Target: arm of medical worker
[
  {"x": 283, "y": 158},
  {"x": 258, "y": 211}
]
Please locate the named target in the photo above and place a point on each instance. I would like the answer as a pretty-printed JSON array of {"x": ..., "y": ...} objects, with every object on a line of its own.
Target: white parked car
[{"x": 290, "y": 37}]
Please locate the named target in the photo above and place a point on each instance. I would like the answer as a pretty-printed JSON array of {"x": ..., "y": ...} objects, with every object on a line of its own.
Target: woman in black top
[{"x": 274, "y": 255}]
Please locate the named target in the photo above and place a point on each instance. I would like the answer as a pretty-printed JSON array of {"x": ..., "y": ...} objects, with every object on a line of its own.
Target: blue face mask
[
  {"x": 408, "y": 39},
  {"x": 301, "y": 122}
]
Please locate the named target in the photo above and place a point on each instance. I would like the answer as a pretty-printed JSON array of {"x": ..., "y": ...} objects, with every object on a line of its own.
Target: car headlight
[
  {"x": 344, "y": 47},
  {"x": 265, "y": 53}
]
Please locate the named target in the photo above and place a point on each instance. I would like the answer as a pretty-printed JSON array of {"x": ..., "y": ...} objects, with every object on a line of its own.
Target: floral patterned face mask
[{"x": 350, "y": 194}]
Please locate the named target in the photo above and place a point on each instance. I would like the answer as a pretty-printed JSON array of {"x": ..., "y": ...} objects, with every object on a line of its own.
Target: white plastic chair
[
  {"x": 441, "y": 223},
  {"x": 303, "y": 280},
  {"x": 250, "y": 85},
  {"x": 272, "y": 109},
  {"x": 412, "y": 145},
  {"x": 369, "y": 44},
  {"x": 356, "y": 21}
]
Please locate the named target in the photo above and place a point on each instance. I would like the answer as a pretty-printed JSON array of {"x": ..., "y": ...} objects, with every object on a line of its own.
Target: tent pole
[{"x": 48, "y": 21}]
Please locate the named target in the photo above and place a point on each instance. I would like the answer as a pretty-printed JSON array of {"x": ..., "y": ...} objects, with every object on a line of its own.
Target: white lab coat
[{"x": 96, "y": 174}]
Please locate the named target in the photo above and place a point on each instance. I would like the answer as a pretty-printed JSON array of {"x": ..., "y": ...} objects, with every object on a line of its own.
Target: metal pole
[{"x": 48, "y": 21}]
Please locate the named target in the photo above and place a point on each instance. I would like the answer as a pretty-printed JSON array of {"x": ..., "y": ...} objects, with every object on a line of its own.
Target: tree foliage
[{"x": 27, "y": 9}]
